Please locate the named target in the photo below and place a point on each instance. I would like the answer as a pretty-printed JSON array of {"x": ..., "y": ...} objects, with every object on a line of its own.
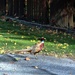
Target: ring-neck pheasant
[{"x": 36, "y": 48}]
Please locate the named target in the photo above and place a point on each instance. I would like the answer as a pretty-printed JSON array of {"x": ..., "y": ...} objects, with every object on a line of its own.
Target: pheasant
[{"x": 35, "y": 48}]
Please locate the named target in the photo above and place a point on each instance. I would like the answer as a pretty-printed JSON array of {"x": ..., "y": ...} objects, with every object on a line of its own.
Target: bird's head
[{"x": 42, "y": 39}]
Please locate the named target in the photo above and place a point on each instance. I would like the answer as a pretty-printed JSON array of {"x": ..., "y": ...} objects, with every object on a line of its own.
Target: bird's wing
[{"x": 35, "y": 48}]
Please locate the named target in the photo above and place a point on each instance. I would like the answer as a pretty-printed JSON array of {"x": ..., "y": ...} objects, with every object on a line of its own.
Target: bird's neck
[{"x": 42, "y": 41}]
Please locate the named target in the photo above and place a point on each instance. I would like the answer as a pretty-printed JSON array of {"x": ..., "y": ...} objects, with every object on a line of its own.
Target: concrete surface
[{"x": 11, "y": 64}]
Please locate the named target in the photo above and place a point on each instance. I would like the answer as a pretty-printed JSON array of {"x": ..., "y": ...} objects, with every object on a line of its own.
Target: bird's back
[{"x": 37, "y": 48}]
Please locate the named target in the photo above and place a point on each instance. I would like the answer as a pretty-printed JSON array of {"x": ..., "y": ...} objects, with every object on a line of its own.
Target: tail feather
[{"x": 23, "y": 50}]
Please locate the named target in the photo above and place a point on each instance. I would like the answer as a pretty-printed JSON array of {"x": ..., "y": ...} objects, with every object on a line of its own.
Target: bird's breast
[{"x": 41, "y": 46}]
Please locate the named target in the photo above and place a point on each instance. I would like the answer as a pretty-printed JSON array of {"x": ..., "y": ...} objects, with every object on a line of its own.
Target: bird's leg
[{"x": 35, "y": 56}]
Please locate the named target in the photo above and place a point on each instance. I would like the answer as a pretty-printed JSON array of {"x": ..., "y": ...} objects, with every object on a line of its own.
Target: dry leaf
[
  {"x": 5, "y": 74},
  {"x": 36, "y": 67},
  {"x": 27, "y": 58}
]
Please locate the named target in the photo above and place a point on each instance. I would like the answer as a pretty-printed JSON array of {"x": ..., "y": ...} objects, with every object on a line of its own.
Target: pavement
[{"x": 16, "y": 64}]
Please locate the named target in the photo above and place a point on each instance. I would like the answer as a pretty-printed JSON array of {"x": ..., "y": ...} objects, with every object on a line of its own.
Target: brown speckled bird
[{"x": 35, "y": 48}]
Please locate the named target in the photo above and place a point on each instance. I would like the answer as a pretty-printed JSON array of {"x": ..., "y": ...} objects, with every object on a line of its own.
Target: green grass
[{"x": 14, "y": 36}]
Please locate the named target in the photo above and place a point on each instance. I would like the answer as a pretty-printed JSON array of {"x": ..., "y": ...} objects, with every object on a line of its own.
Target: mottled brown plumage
[{"x": 35, "y": 48}]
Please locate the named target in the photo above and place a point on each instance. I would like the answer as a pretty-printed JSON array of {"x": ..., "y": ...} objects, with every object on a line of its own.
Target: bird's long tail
[{"x": 22, "y": 51}]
